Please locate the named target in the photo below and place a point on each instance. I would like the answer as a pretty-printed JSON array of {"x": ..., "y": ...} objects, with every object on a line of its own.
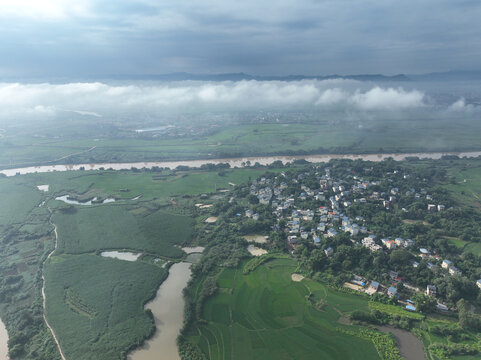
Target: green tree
[{"x": 424, "y": 303}]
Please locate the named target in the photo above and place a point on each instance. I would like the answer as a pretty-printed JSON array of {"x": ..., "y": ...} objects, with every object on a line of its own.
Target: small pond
[{"x": 128, "y": 256}]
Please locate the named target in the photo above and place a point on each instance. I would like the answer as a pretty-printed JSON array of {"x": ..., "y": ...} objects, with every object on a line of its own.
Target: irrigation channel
[{"x": 233, "y": 162}]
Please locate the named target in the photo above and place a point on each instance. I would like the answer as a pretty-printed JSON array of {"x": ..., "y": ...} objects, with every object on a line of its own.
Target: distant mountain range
[
  {"x": 457, "y": 75},
  {"x": 182, "y": 76}
]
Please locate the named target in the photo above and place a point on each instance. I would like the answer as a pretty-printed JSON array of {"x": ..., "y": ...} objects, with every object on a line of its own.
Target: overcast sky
[{"x": 88, "y": 37}]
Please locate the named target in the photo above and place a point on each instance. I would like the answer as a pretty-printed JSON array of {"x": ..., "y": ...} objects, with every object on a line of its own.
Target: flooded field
[
  {"x": 128, "y": 256},
  {"x": 66, "y": 199},
  {"x": 168, "y": 310},
  {"x": 196, "y": 249}
]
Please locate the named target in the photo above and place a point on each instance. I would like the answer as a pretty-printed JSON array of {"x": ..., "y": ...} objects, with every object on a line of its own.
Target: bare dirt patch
[
  {"x": 353, "y": 286},
  {"x": 259, "y": 239},
  {"x": 344, "y": 320},
  {"x": 297, "y": 277},
  {"x": 255, "y": 251}
]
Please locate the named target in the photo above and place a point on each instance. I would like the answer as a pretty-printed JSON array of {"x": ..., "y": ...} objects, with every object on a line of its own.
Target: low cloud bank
[{"x": 99, "y": 99}]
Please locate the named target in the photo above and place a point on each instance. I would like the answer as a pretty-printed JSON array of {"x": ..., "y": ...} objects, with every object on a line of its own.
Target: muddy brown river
[
  {"x": 233, "y": 162},
  {"x": 168, "y": 310},
  {"x": 410, "y": 347}
]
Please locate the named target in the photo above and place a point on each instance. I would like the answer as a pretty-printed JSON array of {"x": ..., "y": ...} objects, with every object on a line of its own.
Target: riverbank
[{"x": 234, "y": 162}]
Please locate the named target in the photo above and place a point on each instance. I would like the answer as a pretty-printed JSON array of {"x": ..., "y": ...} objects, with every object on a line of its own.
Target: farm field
[
  {"x": 112, "y": 226},
  {"x": 265, "y": 315},
  {"x": 126, "y": 185},
  {"x": 324, "y": 134},
  {"x": 95, "y": 304},
  {"x": 467, "y": 182}
]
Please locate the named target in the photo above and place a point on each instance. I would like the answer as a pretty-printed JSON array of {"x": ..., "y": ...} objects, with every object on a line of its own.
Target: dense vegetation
[
  {"x": 104, "y": 300},
  {"x": 25, "y": 239},
  {"x": 103, "y": 227}
]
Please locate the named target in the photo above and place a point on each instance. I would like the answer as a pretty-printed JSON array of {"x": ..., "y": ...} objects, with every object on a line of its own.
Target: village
[{"x": 311, "y": 208}]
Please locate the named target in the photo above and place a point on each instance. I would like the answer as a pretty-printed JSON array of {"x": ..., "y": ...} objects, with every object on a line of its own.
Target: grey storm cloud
[{"x": 88, "y": 37}]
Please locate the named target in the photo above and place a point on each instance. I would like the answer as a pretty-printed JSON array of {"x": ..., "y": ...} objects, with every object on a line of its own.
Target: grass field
[
  {"x": 467, "y": 186},
  {"x": 474, "y": 248},
  {"x": 466, "y": 189},
  {"x": 460, "y": 244},
  {"x": 95, "y": 304},
  {"x": 394, "y": 310},
  {"x": 18, "y": 199},
  {"x": 265, "y": 315},
  {"x": 332, "y": 132},
  {"x": 128, "y": 184},
  {"x": 113, "y": 226}
]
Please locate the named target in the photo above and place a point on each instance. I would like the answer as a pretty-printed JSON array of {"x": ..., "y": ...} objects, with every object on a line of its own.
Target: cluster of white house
[
  {"x": 269, "y": 191},
  {"x": 453, "y": 270}
]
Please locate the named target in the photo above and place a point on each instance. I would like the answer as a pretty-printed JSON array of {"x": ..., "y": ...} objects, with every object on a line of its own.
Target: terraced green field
[{"x": 265, "y": 315}]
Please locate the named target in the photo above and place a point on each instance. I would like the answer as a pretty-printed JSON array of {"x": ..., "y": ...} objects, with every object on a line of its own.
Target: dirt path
[
  {"x": 43, "y": 286},
  {"x": 54, "y": 160},
  {"x": 231, "y": 319},
  {"x": 70, "y": 155}
]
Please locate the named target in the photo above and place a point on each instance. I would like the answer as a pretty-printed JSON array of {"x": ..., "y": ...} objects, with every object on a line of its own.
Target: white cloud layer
[
  {"x": 23, "y": 101},
  {"x": 461, "y": 105},
  {"x": 44, "y": 10}
]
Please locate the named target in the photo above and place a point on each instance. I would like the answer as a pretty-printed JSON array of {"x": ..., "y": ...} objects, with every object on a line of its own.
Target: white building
[{"x": 446, "y": 264}]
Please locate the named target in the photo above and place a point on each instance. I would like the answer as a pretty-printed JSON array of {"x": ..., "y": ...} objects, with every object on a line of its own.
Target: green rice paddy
[{"x": 266, "y": 315}]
